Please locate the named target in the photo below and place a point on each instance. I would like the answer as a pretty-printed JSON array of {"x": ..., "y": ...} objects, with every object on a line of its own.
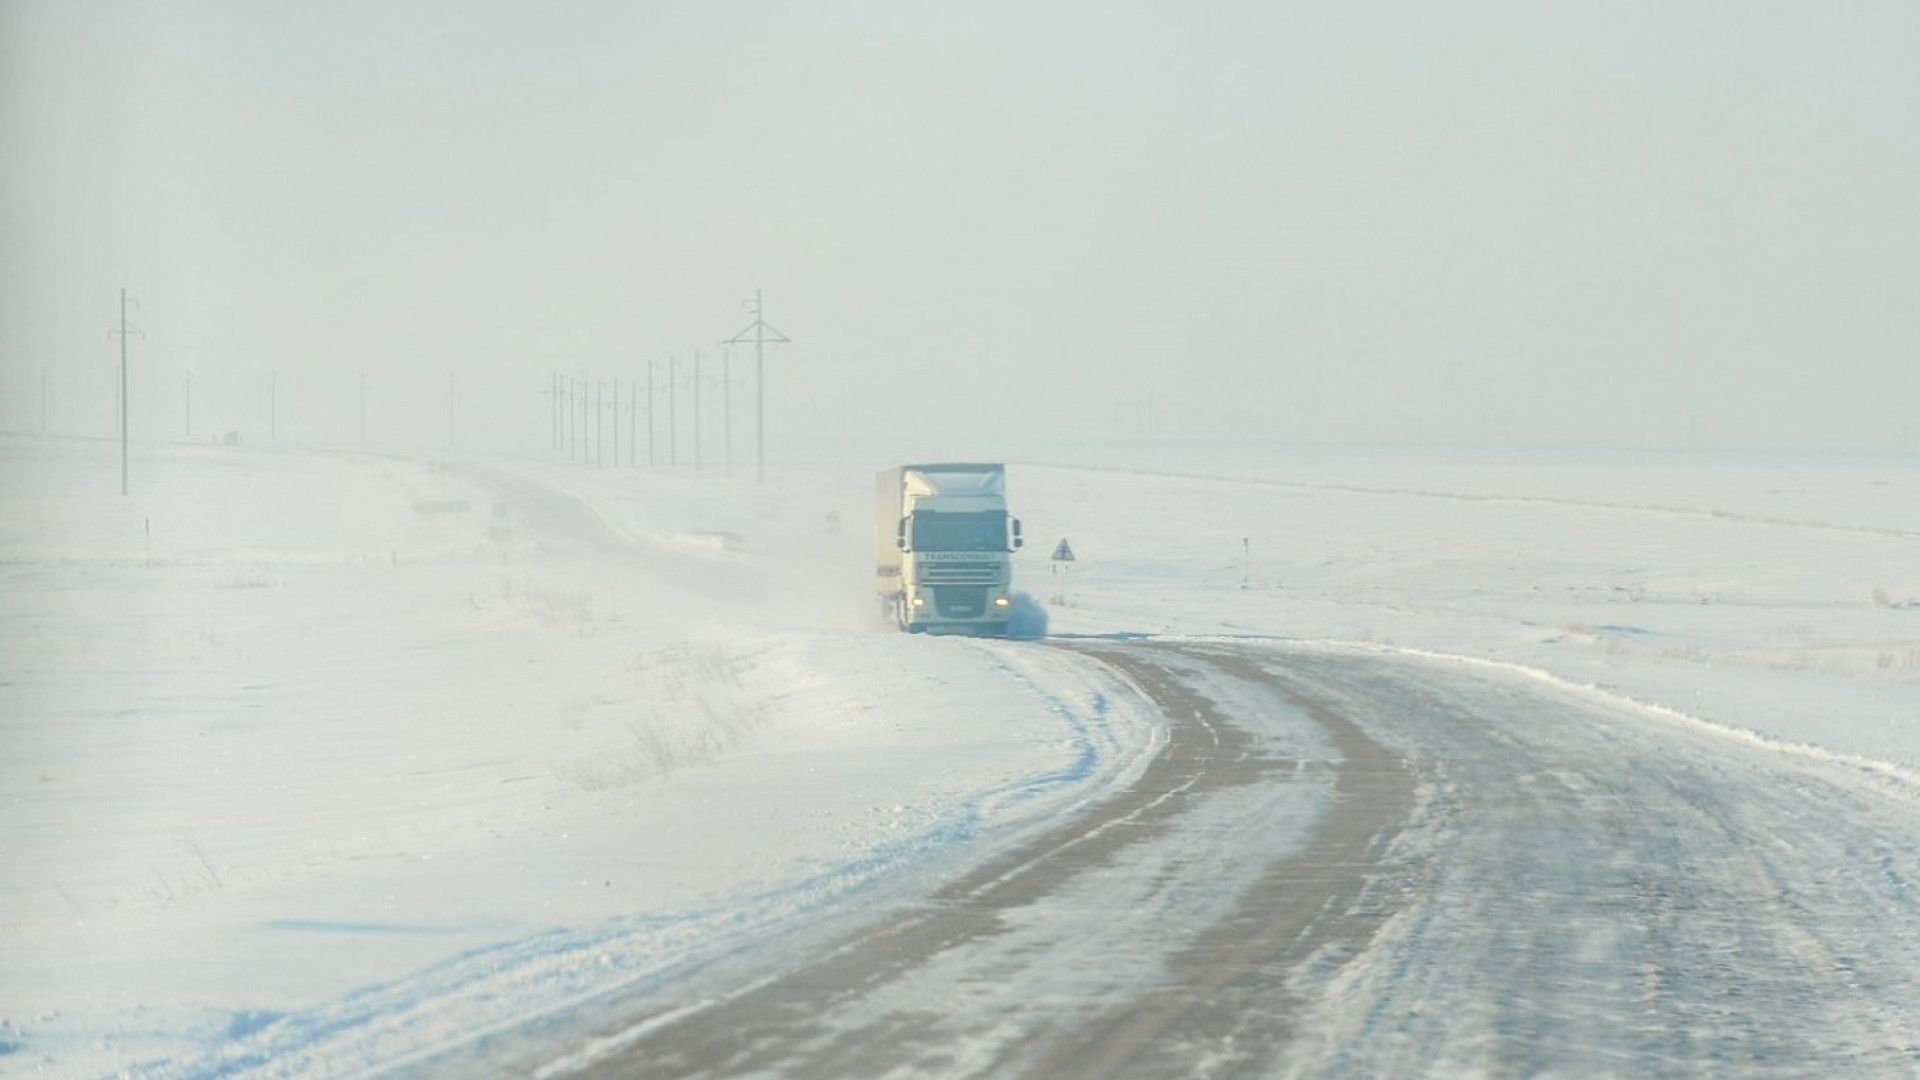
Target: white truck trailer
[{"x": 943, "y": 544}]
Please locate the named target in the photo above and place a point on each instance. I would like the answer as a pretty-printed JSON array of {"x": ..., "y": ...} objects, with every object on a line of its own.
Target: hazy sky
[{"x": 1607, "y": 222}]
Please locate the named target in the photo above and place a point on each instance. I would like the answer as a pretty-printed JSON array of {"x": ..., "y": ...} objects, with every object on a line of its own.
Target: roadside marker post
[{"x": 1062, "y": 562}]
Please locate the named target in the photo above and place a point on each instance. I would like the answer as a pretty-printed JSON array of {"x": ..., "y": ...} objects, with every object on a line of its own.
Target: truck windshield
[{"x": 978, "y": 530}]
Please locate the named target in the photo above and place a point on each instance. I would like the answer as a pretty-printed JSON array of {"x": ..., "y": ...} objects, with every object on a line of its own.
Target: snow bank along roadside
[
  {"x": 323, "y": 757},
  {"x": 1781, "y": 597}
]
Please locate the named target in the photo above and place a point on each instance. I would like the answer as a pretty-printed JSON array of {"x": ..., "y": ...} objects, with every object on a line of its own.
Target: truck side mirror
[
  {"x": 900, "y": 539},
  {"x": 1018, "y": 540}
]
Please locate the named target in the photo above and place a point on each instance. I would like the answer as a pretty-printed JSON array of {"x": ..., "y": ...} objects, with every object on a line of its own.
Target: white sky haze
[{"x": 1598, "y": 224}]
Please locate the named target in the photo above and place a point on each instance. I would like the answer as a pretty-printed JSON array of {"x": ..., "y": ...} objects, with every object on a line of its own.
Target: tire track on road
[
  {"x": 1222, "y": 998},
  {"x": 1225, "y": 1005}
]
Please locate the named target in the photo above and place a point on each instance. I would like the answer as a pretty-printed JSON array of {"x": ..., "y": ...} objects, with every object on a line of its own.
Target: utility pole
[
  {"x": 673, "y": 416},
  {"x": 553, "y": 408},
  {"x": 726, "y": 407},
  {"x": 653, "y": 459},
  {"x": 124, "y": 330},
  {"x": 696, "y": 412},
  {"x": 616, "y": 421},
  {"x": 760, "y": 339},
  {"x": 633, "y": 425}
]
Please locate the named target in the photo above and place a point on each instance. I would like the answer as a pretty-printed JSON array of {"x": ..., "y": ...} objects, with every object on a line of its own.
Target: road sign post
[{"x": 1062, "y": 561}]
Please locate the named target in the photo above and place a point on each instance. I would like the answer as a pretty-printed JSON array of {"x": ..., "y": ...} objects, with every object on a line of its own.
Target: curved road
[{"x": 1365, "y": 864}]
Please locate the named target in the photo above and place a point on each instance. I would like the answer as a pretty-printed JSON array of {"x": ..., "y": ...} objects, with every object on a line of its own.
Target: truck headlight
[
  {"x": 919, "y": 601},
  {"x": 1001, "y": 601}
]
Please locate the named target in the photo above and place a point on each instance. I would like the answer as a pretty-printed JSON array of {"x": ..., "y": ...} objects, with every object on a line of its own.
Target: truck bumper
[
  {"x": 952, "y": 609},
  {"x": 978, "y": 628}
]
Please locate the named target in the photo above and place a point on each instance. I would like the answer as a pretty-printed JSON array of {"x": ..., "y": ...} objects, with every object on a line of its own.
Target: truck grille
[
  {"x": 959, "y": 573},
  {"x": 960, "y": 603}
]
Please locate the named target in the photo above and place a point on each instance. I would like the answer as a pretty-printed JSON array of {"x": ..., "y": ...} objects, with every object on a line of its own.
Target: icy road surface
[{"x": 1356, "y": 863}]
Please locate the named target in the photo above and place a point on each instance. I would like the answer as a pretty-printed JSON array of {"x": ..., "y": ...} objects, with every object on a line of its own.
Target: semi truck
[{"x": 943, "y": 543}]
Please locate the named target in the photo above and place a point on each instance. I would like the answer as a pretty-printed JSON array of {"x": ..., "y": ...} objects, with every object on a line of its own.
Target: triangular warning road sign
[{"x": 1063, "y": 553}]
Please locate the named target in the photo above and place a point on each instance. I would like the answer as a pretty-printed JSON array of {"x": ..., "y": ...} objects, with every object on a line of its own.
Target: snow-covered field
[
  {"x": 1780, "y": 596},
  {"x": 327, "y": 758}
]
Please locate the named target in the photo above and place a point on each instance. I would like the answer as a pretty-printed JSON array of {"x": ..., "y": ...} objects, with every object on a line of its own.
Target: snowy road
[
  {"x": 1377, "y": 865},
  {"x": 1591, "y": 888}
]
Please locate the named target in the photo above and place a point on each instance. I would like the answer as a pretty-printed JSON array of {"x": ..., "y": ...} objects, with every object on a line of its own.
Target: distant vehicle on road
[{"x": 943, "y": 543}]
